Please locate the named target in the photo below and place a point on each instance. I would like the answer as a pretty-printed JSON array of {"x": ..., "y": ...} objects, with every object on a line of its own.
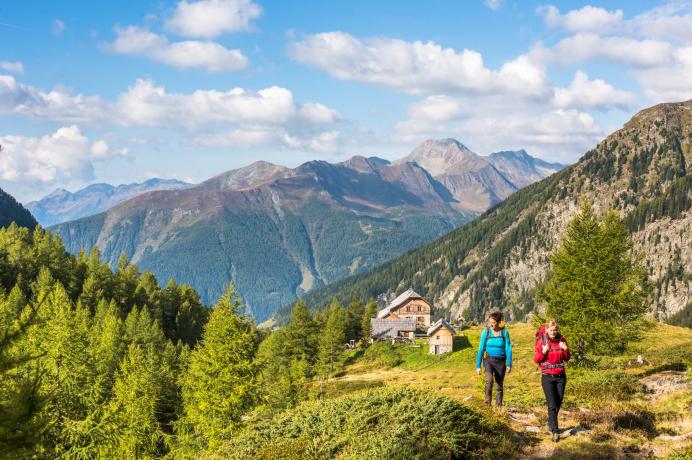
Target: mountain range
[
  {"x": 62, "y": 206},
  {"x": 279, "y": 232},
  {"x": 498, "y": 259}
]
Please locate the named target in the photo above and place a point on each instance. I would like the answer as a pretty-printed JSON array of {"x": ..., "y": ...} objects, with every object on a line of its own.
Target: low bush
[{"x": 377, "y": 424}]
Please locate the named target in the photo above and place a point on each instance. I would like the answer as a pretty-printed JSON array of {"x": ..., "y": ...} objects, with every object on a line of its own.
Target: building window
[
  {"x": 438, "y": 337},
  {"x": 419, "y": 308}
]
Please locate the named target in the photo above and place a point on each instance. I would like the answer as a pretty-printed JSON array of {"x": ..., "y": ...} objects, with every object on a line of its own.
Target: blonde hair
[{"x": 550, "y": 322}]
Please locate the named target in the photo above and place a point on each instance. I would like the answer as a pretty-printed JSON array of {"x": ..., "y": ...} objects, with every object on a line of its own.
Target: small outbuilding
[
  {"x": 394, "y": 329},
  {"x": 441, "y": 337}
]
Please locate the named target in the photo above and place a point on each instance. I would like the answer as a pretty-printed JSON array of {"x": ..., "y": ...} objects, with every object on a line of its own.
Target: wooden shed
[{"x": 441, "y": 337}]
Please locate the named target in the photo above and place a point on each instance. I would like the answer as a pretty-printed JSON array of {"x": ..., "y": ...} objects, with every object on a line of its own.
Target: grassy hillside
[{"x": 617, "y": 407}]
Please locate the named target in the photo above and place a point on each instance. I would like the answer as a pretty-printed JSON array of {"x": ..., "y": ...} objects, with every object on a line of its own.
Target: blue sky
[{"x": 122, "y": 91}]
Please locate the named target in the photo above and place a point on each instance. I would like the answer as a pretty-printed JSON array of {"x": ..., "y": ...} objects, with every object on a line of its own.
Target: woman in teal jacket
[{"x": 495, "y": 343}]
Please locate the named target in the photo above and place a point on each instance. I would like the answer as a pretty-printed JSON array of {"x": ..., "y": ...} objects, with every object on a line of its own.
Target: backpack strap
[{"x": 488, "y": 331}]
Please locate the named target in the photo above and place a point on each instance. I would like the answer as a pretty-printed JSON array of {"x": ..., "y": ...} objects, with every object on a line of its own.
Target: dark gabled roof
[
  {"x": 441, "y": 323},
  {"x": 403, "y": 297},
  {"x": 390, "y": 328}
]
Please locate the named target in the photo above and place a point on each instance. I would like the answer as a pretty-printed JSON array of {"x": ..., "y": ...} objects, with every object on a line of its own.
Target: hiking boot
[{"x": 556, "y": 437}]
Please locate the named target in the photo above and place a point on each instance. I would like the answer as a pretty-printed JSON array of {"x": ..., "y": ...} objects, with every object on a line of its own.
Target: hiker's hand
[
  {"x": 563, "y": 345},
  {"x": 478, "y": 370},
  {"x": 509, "y": 369},
  {"x": 546, "y": 347}
]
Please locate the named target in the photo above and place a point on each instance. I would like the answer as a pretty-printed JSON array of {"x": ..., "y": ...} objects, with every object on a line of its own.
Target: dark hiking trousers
[
  {"x": 554, "y": 389},
  {"x": 494, "y": 371}
]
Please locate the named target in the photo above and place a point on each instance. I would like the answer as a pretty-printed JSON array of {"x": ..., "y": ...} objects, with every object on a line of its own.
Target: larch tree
[
  {"x": 596, "y": 287},
  {"x": 221, "y": 381}
]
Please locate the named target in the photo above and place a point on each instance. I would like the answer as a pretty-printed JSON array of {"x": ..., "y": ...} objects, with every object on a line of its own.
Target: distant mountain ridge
[
  {"x": 280, "y": 232},
  {"x": 475, "y": 181},
  {"x": 12, "y": 211},
  {"x": 497, "y": 260},
  {"x": 62, "y": 206}
]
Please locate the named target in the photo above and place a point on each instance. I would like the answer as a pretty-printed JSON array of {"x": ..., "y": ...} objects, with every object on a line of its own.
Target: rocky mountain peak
[{"x": 444, "y": 156}]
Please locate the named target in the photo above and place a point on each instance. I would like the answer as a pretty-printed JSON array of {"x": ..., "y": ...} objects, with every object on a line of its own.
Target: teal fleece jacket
[{"x": 494, "y": 347}]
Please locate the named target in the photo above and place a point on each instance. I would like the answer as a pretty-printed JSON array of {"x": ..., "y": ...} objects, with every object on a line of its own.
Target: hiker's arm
[
  {"x": 538, "y": 355},
  {"x": 565, "y": 351},
  {"x": 481, "y": 345},
  {"x": 508, "y": 348}
]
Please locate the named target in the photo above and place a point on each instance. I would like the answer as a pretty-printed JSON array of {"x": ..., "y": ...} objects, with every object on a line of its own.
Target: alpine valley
[
  {"x": 498, "y": 260},
  {"x": 280, "y": 232}
]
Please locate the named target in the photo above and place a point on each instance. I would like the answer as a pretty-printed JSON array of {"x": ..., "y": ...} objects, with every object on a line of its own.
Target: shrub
[{"x": 377, "y": 424}]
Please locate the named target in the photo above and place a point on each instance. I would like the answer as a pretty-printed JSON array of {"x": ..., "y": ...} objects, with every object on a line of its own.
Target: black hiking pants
[
  {"x": 554, "y": 389},
  {"x": 494, "y": 371}
]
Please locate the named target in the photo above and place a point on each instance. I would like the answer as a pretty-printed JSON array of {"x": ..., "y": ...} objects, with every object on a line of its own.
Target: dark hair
[{"x": 496, "y": 315}]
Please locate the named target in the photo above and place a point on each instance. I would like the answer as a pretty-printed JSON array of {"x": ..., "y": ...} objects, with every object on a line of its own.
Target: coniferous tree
[
  {"x": 221, "y": 380},
  {"x": 332, "y": 339},
  {"x": 369, "y": 313},
  {"x": 355, "y": 311},
  {"x": 21, "y": 402},
  {"x": 62, "y": 339},
  {"x": 301, "y": 334},
  {"x": 596, "y": 288},
  {"x": 131, "y": 429}
]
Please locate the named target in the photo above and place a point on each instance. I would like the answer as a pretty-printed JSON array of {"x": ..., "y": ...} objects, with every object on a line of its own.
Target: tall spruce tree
[
  {"x": 333, "y": 338},
  {"x": 221, "y": 382},
  {"x": 369, "y": 313},
  {"x": 596, "y": 288},
  {"x": 355, "y": 310}
]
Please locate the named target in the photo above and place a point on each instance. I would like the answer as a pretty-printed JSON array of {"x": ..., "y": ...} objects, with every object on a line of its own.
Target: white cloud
[
  {"x": 493, "y": 4},
  {"x": 671, "y": 83},
  {"x": 416, "y": 67},
  {"x": 591, "y": 94},
  {"x": 12, "y": 67},
  {"x": 437, "y": 108},
  {"x": 586, "y": 19},
  {"x": 189, "y": 54},
  {"x": 584, "y": 47},
  {"x": 58, "y": 27},
  {"x": 490, "y": 124},
  {"x": 145, "y": 104},
  {"x": 669, "y": 21},
  {"x": 62, "y": 156},
  {"x": 245, "y": 118},
  {"x": 253, "y": 136},
  {"x": 210, "y": 18},
  {"x": 58, "y": 104}
]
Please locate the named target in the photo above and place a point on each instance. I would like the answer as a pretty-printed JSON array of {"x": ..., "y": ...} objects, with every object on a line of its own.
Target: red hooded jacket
[{"x": 555, "y": 355}]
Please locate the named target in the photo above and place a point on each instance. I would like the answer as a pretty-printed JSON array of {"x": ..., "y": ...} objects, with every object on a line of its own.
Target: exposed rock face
[{"x": 471, "y": 179}]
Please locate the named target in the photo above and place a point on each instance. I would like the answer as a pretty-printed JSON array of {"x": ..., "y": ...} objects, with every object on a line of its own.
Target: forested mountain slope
[
  {"x": 498, "y": 259},
  {"x": 12, "y": 211}
]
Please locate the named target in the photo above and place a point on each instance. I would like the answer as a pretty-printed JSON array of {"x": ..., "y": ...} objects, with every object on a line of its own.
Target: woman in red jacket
[{"x": 551, "y": 355}]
